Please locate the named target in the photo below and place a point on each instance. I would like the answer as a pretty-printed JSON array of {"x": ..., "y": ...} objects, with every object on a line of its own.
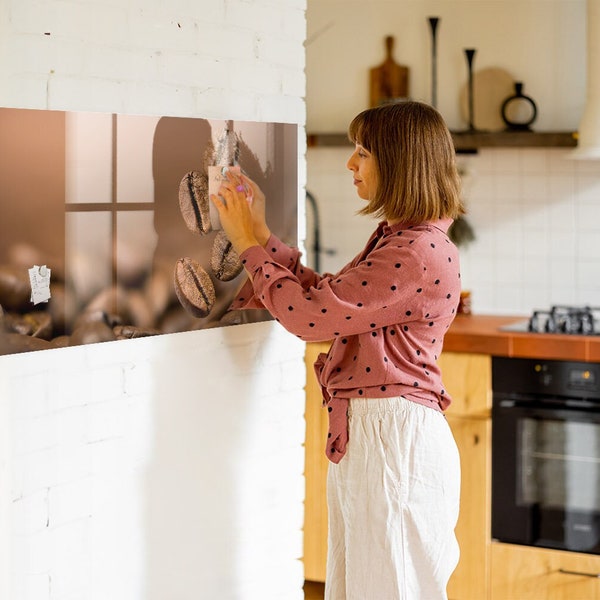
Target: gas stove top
[{"x": 570, "y": 320}]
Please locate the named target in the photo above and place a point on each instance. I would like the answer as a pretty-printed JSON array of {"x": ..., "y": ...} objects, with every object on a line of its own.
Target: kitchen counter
[{"x": 482, "y": 334}]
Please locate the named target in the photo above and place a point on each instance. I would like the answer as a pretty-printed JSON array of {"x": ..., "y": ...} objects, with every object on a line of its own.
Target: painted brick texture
[
  {"x": 167, "y": 467},
  {"x": 231, "y": 59}
]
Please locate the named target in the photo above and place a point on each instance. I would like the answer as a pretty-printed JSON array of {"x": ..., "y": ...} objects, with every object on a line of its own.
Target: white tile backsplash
[{"x": 536, "y": 216}]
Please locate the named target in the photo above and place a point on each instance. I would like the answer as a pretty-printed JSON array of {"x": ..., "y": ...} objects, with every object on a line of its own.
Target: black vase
[
  {"x": 433, "y": 23},
  {"x": 518, "y": 111},
  {"x": 470, "y": 54}
]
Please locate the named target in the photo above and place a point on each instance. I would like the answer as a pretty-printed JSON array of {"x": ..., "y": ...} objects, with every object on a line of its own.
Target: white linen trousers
[{"x": 393, "y": 504}]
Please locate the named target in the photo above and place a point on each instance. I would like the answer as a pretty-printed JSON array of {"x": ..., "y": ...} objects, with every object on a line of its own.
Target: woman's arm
[{"x": 242, "y": 212}]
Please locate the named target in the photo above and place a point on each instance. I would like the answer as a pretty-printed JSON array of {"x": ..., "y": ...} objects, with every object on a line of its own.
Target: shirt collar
[{"x": 441, "y": 224}]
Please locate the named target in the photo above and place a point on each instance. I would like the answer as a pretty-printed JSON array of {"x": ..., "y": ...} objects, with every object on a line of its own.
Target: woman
[{"x": 394, "y": 477}]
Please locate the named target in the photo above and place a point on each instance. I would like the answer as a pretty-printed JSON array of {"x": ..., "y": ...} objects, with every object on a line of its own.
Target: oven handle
[
  {"x": 579, "y": 573},
  {"x": 542, "y": 409}
]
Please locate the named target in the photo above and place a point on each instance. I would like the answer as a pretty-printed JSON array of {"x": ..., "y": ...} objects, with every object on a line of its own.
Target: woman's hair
[{"x": 415, "y": 161}]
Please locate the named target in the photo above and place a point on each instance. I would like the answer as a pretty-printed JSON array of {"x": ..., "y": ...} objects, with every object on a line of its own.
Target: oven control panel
[{"x": 557, "y": 378}]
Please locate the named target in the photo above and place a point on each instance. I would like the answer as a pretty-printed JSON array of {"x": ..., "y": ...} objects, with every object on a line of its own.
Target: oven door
[{"x": 546, "y": 475}]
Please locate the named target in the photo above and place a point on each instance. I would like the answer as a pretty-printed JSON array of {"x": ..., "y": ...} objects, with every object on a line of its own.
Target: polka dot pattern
[{"x": 386, "y": 311}]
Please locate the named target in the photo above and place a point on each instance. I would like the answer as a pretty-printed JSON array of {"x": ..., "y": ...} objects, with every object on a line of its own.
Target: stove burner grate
[{"x": 566, "y": 319}]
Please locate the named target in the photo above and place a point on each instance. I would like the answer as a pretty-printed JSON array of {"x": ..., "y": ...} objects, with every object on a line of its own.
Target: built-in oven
[{"x": 546, "y": 453}]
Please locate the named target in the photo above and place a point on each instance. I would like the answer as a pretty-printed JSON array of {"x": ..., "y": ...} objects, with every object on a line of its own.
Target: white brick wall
[
  {"x": 156, "y": 468},
  {"x": 167, "y": 467},
  {"x": 230, "y": 59}
]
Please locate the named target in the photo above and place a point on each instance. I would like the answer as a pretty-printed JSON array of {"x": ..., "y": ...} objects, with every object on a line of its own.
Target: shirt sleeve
[
  {"x": 289, "y": 257},
  {"x": 364, "y": 297},
  {"x": 286, "y": 257}
]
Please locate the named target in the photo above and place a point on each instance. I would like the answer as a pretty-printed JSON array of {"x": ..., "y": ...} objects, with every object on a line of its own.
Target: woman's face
[{"x": 362, "y": 165}]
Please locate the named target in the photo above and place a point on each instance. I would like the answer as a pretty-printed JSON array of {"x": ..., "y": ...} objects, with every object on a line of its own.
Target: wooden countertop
[{"x": 481, "y": 334}]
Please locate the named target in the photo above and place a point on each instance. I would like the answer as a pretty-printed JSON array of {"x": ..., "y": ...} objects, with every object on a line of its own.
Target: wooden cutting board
[{"x": 388, "y": 81}]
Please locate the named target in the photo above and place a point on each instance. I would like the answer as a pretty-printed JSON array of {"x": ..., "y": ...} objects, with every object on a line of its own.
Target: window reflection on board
[{"x": 96, "y": 199}]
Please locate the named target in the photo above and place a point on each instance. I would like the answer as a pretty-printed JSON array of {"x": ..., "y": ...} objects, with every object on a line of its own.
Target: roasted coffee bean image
[
  {"x": 194, "y": 287},
  {"x": 224, "y": 260},
  {"x": 194, "y": 202}
]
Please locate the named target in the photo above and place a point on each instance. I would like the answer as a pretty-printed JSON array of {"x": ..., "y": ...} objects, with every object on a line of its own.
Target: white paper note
[{"x": 39, "y": 277}]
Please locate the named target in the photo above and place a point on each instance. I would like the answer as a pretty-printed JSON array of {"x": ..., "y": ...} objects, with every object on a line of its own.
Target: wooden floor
[{"x": 314, "y": 590}]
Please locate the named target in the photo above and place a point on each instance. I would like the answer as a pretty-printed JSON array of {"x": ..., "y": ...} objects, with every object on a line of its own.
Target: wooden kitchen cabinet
[
  {"x": 315, "y": 472},
  {"x": 487, "y": 570},
  {"x": 468, "y": 379},
  {"x": 469, "y": 580},
  {"x": 526, "y": 573}
]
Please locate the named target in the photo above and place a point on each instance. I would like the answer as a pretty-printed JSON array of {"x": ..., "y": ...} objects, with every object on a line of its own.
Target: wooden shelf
[
  {"x": 469, "y": 141},
  {"x": 327, "y": 139}
]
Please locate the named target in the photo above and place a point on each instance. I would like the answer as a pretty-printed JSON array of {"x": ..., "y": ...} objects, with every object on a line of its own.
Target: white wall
[
  {"x": 167, "y": 467},
  {"x": 157, "y": 468},
  {"x": 538, "y": 42},
  {"x": 535, "y": 212}
]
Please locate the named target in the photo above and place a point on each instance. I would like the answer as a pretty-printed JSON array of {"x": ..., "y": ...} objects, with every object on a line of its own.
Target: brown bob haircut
[{"x": 415, "y": 161}]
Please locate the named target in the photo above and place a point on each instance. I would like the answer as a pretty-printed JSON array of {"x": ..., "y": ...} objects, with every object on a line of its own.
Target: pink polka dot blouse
[{"x": 386, "y": 313}]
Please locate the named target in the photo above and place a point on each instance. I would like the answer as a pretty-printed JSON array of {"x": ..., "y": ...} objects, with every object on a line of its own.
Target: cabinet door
[
  {"x": 525, "y": 573},
  {"x": 315, "y": 472},
  {"x": 468, "y": 379},
  {"x": 469, "y": 580}
]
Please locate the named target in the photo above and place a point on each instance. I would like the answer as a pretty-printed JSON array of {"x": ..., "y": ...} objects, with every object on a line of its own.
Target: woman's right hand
[{"x": 258, "y": 210}]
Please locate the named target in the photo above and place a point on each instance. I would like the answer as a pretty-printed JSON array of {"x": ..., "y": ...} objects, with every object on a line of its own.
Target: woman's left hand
[{"x": 232, "y": 203}]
